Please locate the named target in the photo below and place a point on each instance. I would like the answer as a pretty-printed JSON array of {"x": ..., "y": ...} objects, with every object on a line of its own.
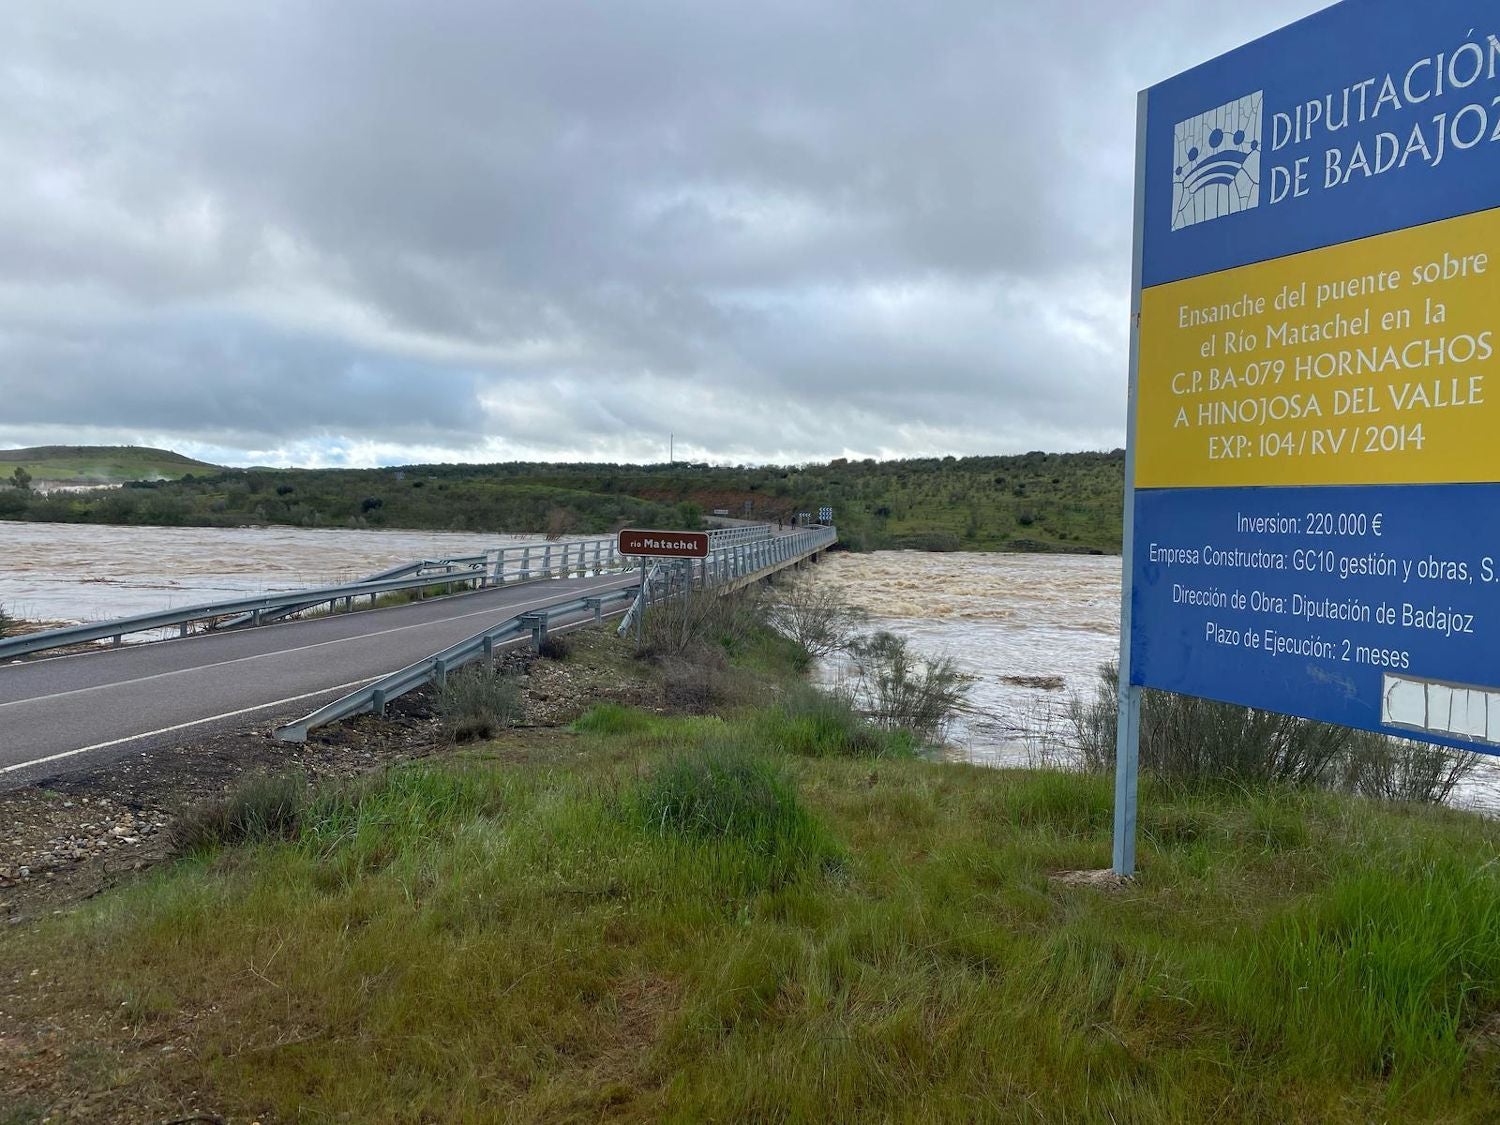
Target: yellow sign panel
[{"x": 1373, "y": 362}]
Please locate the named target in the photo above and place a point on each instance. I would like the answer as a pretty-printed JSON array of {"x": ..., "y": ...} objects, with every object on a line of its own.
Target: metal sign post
[
  {"x": 647, "y": 544},
  {"x": 1128, "y": 721}
]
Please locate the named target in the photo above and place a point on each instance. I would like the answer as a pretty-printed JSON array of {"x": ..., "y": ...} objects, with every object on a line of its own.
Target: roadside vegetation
[
  {"x": 1026, "y": 502},
  {"x": 477, "y": 702},
  {"x": 678, "y": 918},
  {"x": 770, "y": 905},
  {"x": 1184, "y": 740}
]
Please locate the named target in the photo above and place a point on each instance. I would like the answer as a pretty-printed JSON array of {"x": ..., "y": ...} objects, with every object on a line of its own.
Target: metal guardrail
[
  {"x": 435, "y": 668},
  {"x": 744, "y": 562},
  {"x": 183, "y": 616},
  {"x": 497, "y": 566},
  {"x": 735, "y": 555},
  {"x": 731, "y": 536},
  {"x": 404, "y": 570},
  {"x": 729, "y": 567}
]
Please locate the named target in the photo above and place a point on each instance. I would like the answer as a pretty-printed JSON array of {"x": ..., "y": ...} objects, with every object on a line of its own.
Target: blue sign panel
[
  {"x": 1313, "y": 462},
  {"x": 1376, "y": 608},
  {"x": 1370, "y": 116}
]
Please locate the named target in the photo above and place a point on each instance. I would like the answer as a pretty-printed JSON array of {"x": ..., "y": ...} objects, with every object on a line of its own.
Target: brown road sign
[{"x": 664, "y": 544}]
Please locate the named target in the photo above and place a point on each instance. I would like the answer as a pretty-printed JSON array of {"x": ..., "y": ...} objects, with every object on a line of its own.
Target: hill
[
  {"x": 98, "y": 464},
  {"x": 1025, "y": 502}
]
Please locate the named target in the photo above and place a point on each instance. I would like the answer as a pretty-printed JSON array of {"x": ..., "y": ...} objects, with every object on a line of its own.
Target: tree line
[{"x": 1030, "y": 502}]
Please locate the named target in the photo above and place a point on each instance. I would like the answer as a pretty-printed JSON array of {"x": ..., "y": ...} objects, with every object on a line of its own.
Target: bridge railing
[
  {"x": 745, "y": 549},
  {"x": 435, "y": 668},
  {"x": 727, "y": 567},
  {"x": 732, "y": 565},
  {"x": 254, "y": 607},
  {"x": 497, "y": 566},
  {"x": 721, "y": 537},
  {"x": 743, "y": 561}
]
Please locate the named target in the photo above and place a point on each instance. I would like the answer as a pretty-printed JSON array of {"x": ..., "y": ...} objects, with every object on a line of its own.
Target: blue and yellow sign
[{"x": 1316, "y": 440}]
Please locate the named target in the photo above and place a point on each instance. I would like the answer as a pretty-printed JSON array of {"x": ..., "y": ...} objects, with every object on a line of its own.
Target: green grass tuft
[
  {"x": 615, "y": 718},
  {"x": 476, "y": 702},
  {"x": 725, "y": 794},
  {"x": 817, "y": 724},
  {"x": 261, "y": 809}
]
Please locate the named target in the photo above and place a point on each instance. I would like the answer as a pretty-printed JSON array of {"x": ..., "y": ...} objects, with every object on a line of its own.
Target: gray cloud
[{"x": 379, "y": 231}]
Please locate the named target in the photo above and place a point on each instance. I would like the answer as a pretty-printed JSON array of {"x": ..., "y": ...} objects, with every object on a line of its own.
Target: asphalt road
[{"x": 83, "y": 711}]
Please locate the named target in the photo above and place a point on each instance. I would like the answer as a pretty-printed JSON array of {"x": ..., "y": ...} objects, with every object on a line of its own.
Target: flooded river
[
  {"x": 79, "y": 572},
  {"x": 1032, "y": 630}
]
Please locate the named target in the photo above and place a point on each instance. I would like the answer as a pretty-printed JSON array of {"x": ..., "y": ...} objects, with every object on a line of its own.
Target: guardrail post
[
  {"x": 597, "y": 605},
  {"x": 440, "y": 672},
  {"x": 538, "y": 623},
  {"x": 487, "y": 646},
  {"x": 377, "y": 703},
  {"x": 182, "y": 629},
  {"x": 526, "y": 562}
]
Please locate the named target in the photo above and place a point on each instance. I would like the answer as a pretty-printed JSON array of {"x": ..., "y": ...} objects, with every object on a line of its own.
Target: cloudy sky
[{"x": 364, "y": 232}]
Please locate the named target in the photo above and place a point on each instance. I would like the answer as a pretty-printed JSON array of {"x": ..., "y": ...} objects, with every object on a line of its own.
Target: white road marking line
[
  {"x": 518, "y": 606},
  {"x": 184, "y": 726}
]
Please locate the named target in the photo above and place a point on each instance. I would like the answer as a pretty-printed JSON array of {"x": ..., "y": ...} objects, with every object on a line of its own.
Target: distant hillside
[
  {"x": 99, "y": 464},
  {"x": 1025, "y": 502}
]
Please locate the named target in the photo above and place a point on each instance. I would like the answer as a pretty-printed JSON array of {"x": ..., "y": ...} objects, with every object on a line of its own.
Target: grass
[
  {"x": 671, "y": 918},
  {"x": 814, "y": 723},
  {"x": 100, "y": 463},
  {"x": 260, "y": 809}
]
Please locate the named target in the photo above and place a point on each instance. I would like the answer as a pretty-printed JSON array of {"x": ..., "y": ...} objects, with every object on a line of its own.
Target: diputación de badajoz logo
[{"x": 1216, "y": 162}]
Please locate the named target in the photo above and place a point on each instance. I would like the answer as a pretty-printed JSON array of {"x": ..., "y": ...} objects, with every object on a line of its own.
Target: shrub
[
  {"x": 695, "y": 685},
  {"x": 1403, "y": 769},
  {"x": 700, "y": 619},
  {"x": 7, "y": 622},
  {"x": 476, "y": 702},
  {"x": 1183, "y": 738},
  {"x": 815, "y": 615},
  {"x": 556, "y": 647},
  {"x": 904, "y": 691},
  {"x": 262, "y": 808}
]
